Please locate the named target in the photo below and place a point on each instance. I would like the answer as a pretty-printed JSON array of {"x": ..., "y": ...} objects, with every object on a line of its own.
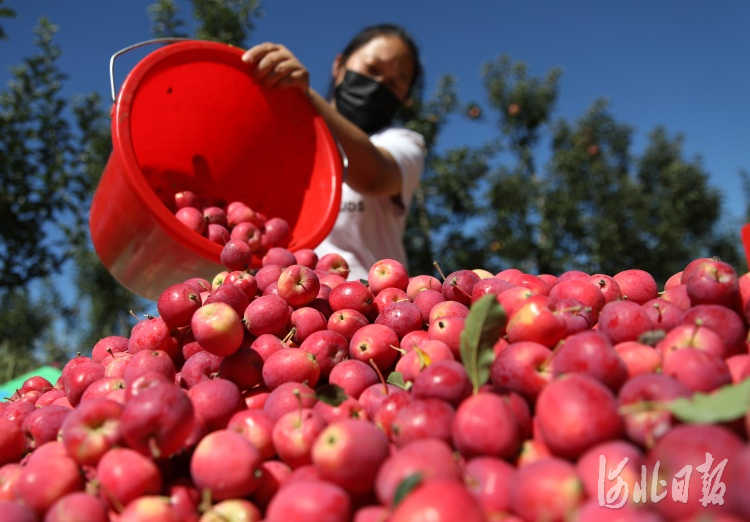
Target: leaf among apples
[
  {"x": 331, "y": 394},
  {"x": 397, "y": 379},
  {"x": 728, "y": 403},
  {"x": 484, "y": 324},
  {"x": 406, "y": 486}
]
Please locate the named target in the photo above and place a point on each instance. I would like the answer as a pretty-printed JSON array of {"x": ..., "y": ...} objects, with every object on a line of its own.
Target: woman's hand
[
  {"x": 372, "y": 171},
  {"x": 275, "y": 67}
]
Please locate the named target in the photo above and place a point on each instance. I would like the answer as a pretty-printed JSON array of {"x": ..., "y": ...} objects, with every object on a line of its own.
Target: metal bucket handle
[{"x": 130, "y": 48}]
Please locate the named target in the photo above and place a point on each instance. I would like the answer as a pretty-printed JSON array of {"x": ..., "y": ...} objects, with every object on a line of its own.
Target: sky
[{"x": 681, "y": 64}]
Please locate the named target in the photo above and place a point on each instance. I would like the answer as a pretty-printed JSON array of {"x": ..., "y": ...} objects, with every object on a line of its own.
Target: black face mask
[{"x": 368, "y": 104}]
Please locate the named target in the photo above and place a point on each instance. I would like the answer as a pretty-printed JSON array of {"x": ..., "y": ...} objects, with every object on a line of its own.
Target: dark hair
[{"x": 363, "y": 37}]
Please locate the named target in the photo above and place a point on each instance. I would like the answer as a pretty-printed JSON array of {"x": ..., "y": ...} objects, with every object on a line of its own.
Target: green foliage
[
  {"x": 38, "y": 185},
  {"x": 450, "y": 189},
  {"x": 108, "y": 303},
  {"x": 27, "y": 338},
  {"x": 464, "y": 186},
  {"x": 227, "y": 21},
  {"x": 591, "y": 205},
  {"x": 678, "y": 209},
  {"x": 606, "y": 210},
  {"x": 5, "y": 12},
  {"x": 52, "y": 156},
  {"x": 164, "y": 21},
  {"x": 428, "y": 117},
  {"x": 524, "y": 104},
  {"x": 22, "y": 320},
  {"x": 590, "y": 199}
]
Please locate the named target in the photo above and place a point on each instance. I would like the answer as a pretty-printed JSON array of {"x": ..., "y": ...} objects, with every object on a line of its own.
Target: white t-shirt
[{"x": 369, "y": 228}]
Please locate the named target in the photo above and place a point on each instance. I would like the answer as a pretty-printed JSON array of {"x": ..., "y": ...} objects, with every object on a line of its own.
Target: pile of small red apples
[
  {"x": 292, "y": 392},
  {"x": 246, "y": 228}
]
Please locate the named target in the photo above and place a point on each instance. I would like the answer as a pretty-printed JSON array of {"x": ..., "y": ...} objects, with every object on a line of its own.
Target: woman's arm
[{"x": 372, "y": 170}]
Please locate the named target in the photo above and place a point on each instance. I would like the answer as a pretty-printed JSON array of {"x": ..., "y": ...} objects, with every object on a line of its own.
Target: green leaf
[
  {"x": 485, "y": 358},
  {"x": 405, "y": 487},
  {"x": 651, "y": 337},
  {"x": 331, "y": 394},
  {"x": 728, "y": 403},
  {"x": 397, "y": 379},
  {"x": 484, "y": 324}
]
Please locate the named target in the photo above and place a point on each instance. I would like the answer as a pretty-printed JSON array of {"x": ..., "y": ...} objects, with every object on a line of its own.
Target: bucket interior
[{"x": 190, "y": 117}]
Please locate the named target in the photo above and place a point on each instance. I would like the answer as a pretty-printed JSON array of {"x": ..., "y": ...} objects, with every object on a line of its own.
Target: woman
[{"x": 372, "y": 78}]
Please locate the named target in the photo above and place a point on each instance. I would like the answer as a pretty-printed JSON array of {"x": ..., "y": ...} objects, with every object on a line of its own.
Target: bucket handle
[{"x": 130, "y": 48}]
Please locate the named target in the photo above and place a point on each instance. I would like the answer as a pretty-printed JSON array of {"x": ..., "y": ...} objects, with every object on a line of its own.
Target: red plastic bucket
[{"x": 190, "y": 117}]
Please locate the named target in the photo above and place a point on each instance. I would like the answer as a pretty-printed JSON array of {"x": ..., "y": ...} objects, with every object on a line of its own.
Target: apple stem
[
  {"x": 380, "y": 375},
  {"x": 119, "y": 507},
  {"x": 437, "y": 266},
  {"x": 298, "y": 395},
  {"x": 289, "y": 336},
  {"x": 454, "y": 284},
  {"x": 205, "y": 504},
  {"x": 659, "y": 313},
  {"x": 545, "y": 364},
  {"x": 133, "y": 314}
]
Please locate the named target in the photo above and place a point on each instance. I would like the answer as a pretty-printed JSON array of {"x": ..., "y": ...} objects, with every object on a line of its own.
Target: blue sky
[{"x": 680, "y": 64}]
